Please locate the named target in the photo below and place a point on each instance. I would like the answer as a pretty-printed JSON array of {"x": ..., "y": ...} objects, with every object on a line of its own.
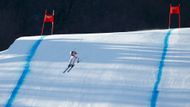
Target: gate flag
[
  {"x": 175, "y": 10},
  {"x": 48, "y": 18}
]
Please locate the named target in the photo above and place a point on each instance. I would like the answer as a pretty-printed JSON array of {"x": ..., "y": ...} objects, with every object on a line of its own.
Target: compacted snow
[{"x": 125, "y": 69}]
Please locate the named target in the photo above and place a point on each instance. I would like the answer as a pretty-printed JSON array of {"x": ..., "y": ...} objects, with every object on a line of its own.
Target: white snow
[{"x": 115, "y": 70}]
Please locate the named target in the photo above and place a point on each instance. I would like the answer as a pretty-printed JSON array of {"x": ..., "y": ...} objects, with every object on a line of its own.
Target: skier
[{"x": 73, "y": 59}]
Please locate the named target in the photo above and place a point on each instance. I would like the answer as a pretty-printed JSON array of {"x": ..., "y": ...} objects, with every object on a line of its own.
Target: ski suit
[{"x": 73, "y": 59}]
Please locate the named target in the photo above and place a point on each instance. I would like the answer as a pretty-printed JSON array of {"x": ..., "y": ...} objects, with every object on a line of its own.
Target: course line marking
[
  {"x": 155, "y": 91},
  {"x": 26, "y": 70}
]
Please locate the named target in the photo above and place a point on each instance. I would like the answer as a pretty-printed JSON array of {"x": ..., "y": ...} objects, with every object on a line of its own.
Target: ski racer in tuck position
[{"x": 73, "y": 59}]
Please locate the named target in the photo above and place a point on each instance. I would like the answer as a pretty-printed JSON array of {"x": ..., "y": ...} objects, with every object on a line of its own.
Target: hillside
[{"x": 123, "y": 69}]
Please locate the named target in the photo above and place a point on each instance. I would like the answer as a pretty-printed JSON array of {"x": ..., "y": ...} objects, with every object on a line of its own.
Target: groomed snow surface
[{"x": 125, "y": 69}]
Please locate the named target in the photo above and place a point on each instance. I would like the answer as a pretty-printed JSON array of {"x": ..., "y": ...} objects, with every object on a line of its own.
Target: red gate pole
[
  {"x": 169, "y": 24},
  {"x": 42, "y": 31},
  {"x": 48, "y": 18},
  {"x": 179, "y": 17},
  {"x": 52, "y": 28}
]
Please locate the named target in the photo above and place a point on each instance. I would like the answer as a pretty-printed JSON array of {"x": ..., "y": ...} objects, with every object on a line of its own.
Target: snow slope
[{"x": 125, "y": 69}]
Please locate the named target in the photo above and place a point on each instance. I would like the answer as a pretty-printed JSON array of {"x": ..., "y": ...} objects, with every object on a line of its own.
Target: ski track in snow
[{"x": 125, "y": 69}]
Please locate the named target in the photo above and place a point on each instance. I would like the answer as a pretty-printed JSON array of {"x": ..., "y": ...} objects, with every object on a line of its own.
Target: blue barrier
[{"x": 26, "y": 70}]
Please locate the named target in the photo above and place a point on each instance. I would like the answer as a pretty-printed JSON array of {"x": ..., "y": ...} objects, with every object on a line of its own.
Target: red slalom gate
[
  {"x": 175, "y": 10},
  {"x": 48, "y": 18}
]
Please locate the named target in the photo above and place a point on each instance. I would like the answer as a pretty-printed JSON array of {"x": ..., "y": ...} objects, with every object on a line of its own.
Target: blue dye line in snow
[
  {"x": 155, "y": 91},
  {"x": 26, "y": 70}
]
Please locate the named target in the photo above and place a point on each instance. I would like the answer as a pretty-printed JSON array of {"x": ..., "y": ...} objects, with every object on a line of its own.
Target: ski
[{"x": 67, "y": 69}]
